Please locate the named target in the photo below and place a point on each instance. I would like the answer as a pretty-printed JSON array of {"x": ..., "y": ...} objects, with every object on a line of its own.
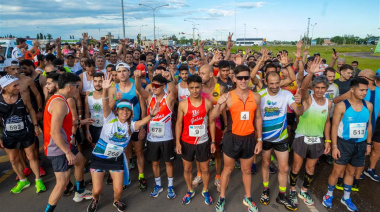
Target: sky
[{"x": 271, "y": 19}]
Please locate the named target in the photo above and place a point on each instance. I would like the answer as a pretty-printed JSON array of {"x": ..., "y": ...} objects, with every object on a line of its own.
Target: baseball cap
[
  {"x": 70, "y": 55},
  {"x": 310, "y": 59},
  {"x": 162, "y": 61},
  {"x": 120, "y": 65},
  {"x": 377, "y": 73},
  {"x": 140, "y": 67},
  {"x": 11, "y": 62},
  {"x": 315, "y": 54},
  {"x": 6, "y": 80}
]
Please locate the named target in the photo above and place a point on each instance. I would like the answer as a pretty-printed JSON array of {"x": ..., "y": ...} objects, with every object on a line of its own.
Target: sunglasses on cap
[
  {"x": 149, "y": 64},
  {"x": 242, "y": 77},
  {"x": 156, "y": 85}
]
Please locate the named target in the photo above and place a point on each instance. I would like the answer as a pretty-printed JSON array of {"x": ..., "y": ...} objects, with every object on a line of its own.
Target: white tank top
[
  {"x": 87, "y": 85},
  {"x": 183, "y": 93},
  {"x": 96, "y": 110}
]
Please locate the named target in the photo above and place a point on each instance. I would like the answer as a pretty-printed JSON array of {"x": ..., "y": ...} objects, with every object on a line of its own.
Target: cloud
[
  {"x": 249, "y": 5},
  {"x": 219, "y": 12}
]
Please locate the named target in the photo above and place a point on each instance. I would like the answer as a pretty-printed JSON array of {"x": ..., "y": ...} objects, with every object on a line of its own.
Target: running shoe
[
  {"x": 109, "y": 180},
  {"x": 143, "y": 184},
  {"x": 306, "y": 198},
  {"x": 237, "y": 164},
  {"x": 132, "y": 164},
  {"x": 339, "y": 186},
  {"x": 284, "y": 200},
  {"x": 187, "y": 198},
  {"x": 20, "y": 186},
  {"x": 68, "y": 190},
  {"x": 217, "y": 184},
  {"x": 362, "y": 176},
  {"x": 220, "y": 205},
  {"x": 93, "y": 206},
  {"x": 293, "y": 197},
  {"x": 327, "y": 201},
  {"x": 40, "y": 187},
  {"x": 348, "y": 203},
  {"x": 355, "y": 186},
  {"x": 272, "y": 168},
  {"x": 120, "y": 206},
  {"x": 253, "y": 168},
  {"x": 85, "y": 195},
  {"x": 171, "y": 193},
  {"x": 208, "y": 198},
  {"x": 264, "y": 198},
  {"x": 372, "y": 174},
  {"x": 197, "y": 181},
  {"x": 250, "y": 204},
  {"x": 156, "y": 191},
  {"x": 42, "y": 171}
]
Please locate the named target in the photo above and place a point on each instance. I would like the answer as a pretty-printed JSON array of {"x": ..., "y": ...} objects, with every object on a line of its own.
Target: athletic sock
[
  {"x": 282, "y": 189},
  {"x": 266, "y": 185},
  {"x": 23, "y": 180},
  {"x": 170, "y": 181},
  {"x": 330, "y": 189},
  {"x": 141, "y": 176},
  {"x": 50, "y": 208},
  {"x": 347, "y": 191},
  {"x": 158, "y": 181},
  {"x": 217, "y": 177},
  {"x": 80, "y": 186}
]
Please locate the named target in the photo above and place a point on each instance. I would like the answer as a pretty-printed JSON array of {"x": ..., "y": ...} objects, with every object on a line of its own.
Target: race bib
[
  {"x": 98, "y": 117},
  {"x": 157, "y": 128},
  {"x": 113, "y": 150},
  {"x": 312, "y": 140},
  {"x": 14, "y": 126},
  {"x": 357, "y": 130},
  {"x": 197, "y": 130},
  {"x": 244, "y": 115}
]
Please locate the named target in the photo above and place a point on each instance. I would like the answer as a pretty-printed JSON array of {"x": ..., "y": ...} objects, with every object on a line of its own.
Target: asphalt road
[{"x": 136, "y": 200}]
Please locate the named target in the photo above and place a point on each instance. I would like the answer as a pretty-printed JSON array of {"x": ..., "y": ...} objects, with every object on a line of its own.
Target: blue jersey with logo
[
  {"x": 132, "y": 97},
  {"x": 374, "y": 98}
]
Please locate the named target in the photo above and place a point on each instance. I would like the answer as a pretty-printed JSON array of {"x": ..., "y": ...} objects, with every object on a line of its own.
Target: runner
[
  {"x": 313, "y": 126},
  {"x": 351, "y": 140},
  {"x": 274, "y": 104},
  {"x": 87, "y": 77},
  {"x": 224, "y": 71},
  {"x": 108, "y": 154},
  {"x": 58, "y": 134},
  {"x": 183, "y": 90},
  {"x": 192, "y": 138},
  {"x": 18, "y": 131},
  {"x": 239, "y": 140},
  {"x": 125, "y": 89},
  {"x": 160, "y": 134}
]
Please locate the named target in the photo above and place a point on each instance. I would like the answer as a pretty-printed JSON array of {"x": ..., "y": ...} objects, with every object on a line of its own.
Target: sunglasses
[
  {"x": 243, "y": 77},
  {"x": 149, "y": 64},
  {"x": 156, "y": 85}
]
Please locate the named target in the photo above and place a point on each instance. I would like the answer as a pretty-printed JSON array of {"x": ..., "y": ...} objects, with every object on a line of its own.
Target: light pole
[
  {"x": 257, "y": 32},
  {"x": 312, "y": 33},
  {"x": 154, "y": 16},
  {"x": 193, "y": 27},
  {"x": 122, "y": 15}
]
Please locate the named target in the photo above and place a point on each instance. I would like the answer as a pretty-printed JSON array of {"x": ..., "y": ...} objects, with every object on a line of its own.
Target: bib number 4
[{"x": 244, "y": 115}]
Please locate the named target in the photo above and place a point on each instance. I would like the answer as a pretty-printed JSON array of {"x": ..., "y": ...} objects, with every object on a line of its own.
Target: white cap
[
  {"x": 119, "y": 65},
  {"x": 6, "y": 80},
  {"x": 11, "y": 62}
]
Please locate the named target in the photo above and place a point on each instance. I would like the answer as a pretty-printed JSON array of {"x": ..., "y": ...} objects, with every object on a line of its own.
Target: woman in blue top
[{"x": 108, "y": 153}]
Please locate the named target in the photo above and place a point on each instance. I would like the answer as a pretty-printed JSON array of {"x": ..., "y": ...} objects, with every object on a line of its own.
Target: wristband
[
  {"x": 259, "y": 139},
  {"x": 105, "y": 97},
  {"x": 88, "y": 132},
  {"x": 369, "y": 144},
  {"x": 300, "y": 58},
  {"x": 212, "y": 142},
  {"x": 327, "y": 141},
  {"x": 298, "y": 105},
  {"x": 36, "y": 125}
]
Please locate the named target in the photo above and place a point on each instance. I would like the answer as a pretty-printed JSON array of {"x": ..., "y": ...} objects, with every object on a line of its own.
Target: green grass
[{"x": 326, "y": 52}]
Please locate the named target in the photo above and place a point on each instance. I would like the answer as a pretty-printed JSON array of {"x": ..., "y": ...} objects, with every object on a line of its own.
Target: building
[{"x": 250, "y": 41}]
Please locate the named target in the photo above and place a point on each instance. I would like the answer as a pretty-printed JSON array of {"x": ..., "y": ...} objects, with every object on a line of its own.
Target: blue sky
[{"x": 273, "y": 19}]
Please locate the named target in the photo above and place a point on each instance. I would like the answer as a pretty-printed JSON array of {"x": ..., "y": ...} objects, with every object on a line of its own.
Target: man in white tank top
[
  {"x": 183, "y": 91},
  {"x": 86, "y": 77}
]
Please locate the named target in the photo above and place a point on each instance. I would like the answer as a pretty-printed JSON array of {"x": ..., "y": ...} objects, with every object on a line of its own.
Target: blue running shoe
[
  {"x": 272, "y": 168},
  {"x": 372, "y": 174},
  {"x": 362, "y": 176},
  {"x": 187, "y": 198},
  {"x": 348, "y": 203},
  {"x": 156, "y": 191},
  {"x": 208, "y": 198},
  {"x": 327, "y": 201},
  {"x": 171, "y": 193}
]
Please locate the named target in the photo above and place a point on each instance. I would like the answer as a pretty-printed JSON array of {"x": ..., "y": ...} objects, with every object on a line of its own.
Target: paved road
[
  {"x": 136, "y": 200},
  {"x": 362, "y": 55}
]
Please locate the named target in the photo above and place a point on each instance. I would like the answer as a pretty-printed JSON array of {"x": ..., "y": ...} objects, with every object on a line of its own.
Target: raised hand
[
  {"x": 335, "y": 56},
  {"x": 230, "y": 36},
  {"x": 167, "y": 76},
  {"x": 201, "y": 44},
  {"x": 102, "y": 40},
  {"x": 155, "y": 109},
  {"x": 247, "y": 50},
  {"x": 137, "y": 73},
  {"x": 58, "y": 40},
  {"x": 122, "y": 42},
  {"x": 284, "y": 58},
  {"x": 306, "y": 51},
  {"x": 298, "y": 97},
  {"x": 299, "y": 44},
  {"x": 107, "y": 82},
  {"x": 127, "y": 41},
  {"x": 314, "y": 67},
  {"x": 223, "y": 98},
  {"x": 239, "y": 59}
]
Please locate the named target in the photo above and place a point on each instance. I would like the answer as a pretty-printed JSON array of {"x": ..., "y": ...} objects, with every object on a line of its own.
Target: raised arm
[
  {"x": 107, "y": 82},
  {"x": 59, "y": 51},
  {"x": 146, "y": 119},
  {"x": 101, "y": 46},
  {"x": 334, "y": 58},
  {"x": 229, "y": 46},
  {"x": 85, "y": 45},
  {"x": 264, "y": 56},
  {"x": 201, "y": 46},
  {"x": 144, "y": 94},
  {"x": 285, "y": 63}
]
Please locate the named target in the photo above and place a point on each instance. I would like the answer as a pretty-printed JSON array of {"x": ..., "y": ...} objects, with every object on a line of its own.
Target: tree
[
  {"x": 38, "y": 36},
  {"x": 139, "y": 38},
  {"x": 28, "y": 36},
  {"x": 49, "y": 37},
  {"x": 45, "y": 37},
  {"x": 41, "y": 36}
]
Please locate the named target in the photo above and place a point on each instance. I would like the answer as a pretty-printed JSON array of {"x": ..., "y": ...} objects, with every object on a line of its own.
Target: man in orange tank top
[
  {"x": 192, "y": 140},
  {"x": 243, "y": 119}
]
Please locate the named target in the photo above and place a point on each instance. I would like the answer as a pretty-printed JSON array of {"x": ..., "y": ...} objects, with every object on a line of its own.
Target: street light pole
[
  {"x": 154, "y": 16},
  {"x": 312, "y": 33},
  {"x": 122, "y": 15},
  {"x": 193, "y": 27}
]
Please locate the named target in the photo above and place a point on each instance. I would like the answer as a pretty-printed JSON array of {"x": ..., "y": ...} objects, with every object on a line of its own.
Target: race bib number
[
  {"x": 357, "y": 130},
  {"x": 98, "y": 119},
  {"x": 197, "y": 130},
  {"x": 113, "y": 150},
  {"x": 244, "y": 115},
  {"x": 312, "y": 140},
  {"x": 14, "y": 126},
  {"x": 157, "y": 128}
]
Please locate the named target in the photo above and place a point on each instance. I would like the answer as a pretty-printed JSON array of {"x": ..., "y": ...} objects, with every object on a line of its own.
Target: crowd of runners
[{"x": 210, "y": 105}]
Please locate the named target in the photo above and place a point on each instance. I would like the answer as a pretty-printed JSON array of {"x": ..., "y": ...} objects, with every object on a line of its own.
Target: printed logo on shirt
[
  {"x": 271, "y": 103},
  {"x": 195, "y": 113},
  {"x": 324, "y": 111},
  {"x": 273, "y": 111}
]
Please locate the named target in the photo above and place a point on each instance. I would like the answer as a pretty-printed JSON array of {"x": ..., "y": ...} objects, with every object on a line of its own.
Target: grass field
[{"x": 326, "y": 51}]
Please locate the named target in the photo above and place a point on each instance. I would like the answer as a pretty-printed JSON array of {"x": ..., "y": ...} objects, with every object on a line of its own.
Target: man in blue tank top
[
  {"x": 351, "y": 140},
  {"x": 125, "y": 89}
]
